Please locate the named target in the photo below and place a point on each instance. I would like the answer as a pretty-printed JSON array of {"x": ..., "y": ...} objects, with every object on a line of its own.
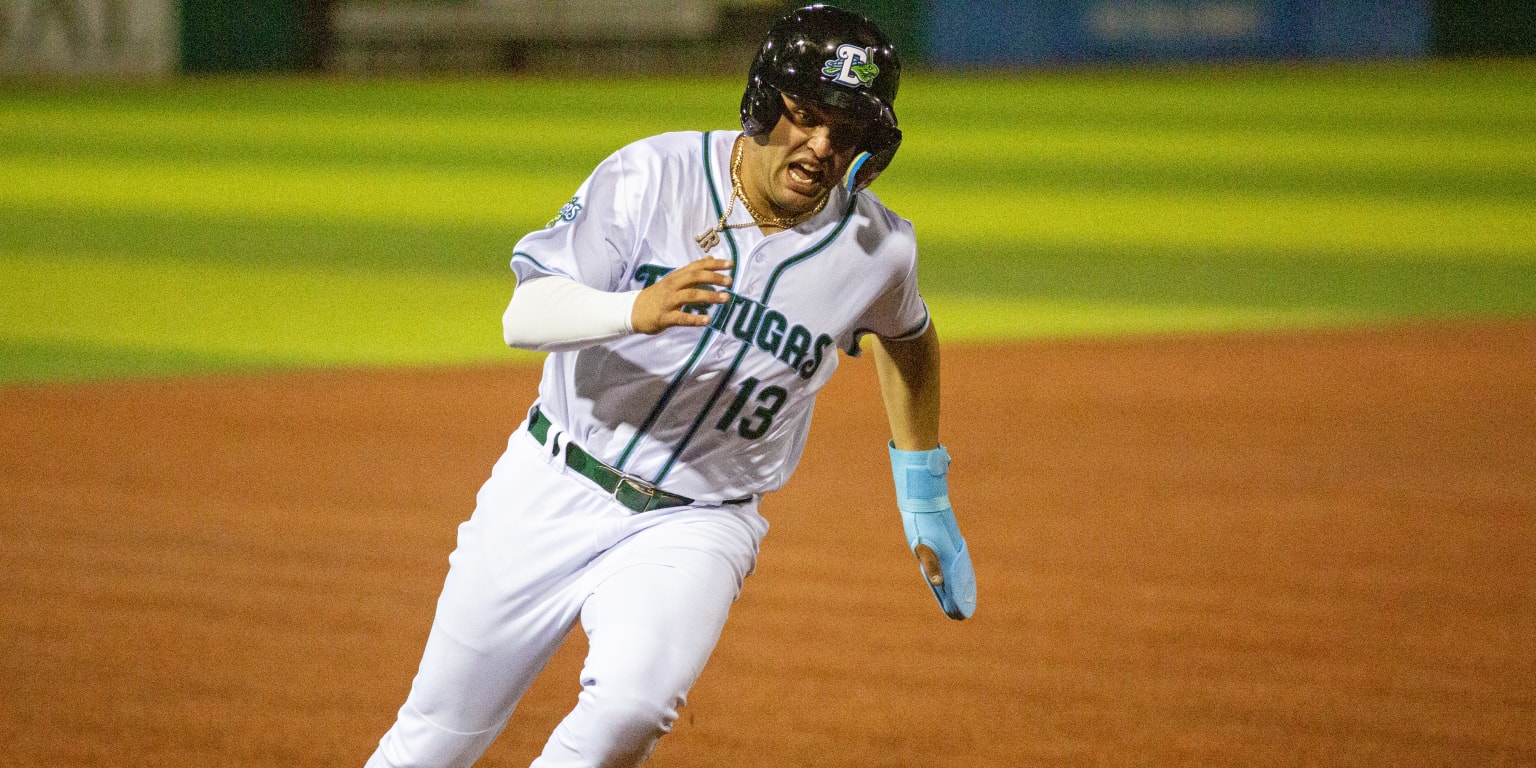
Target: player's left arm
[
  {"x": 908, "y": 370},
  {"x": 909, "y": 384}
]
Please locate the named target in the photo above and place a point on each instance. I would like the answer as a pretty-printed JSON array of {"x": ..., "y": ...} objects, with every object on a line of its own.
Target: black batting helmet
[{"x": 836, "y": 58}]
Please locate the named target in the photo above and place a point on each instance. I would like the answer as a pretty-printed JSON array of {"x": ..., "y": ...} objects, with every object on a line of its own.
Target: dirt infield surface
[{"x": 1253, "y": 550}]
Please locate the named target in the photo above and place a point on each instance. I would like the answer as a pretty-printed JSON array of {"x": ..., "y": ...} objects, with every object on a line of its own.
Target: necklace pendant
[{"x": 708, "y": 240}]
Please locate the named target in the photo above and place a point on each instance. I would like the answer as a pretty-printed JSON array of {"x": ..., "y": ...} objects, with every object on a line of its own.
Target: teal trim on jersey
[
  {"x": 519, "y": 254},
  {"x": 698, "y": 421},
  {"x": 915, "y": 329},
  {"x": 855, "y": 349},
  {"x": 709, "y": 330},
  {"x": 813, "y": 250},
  {"x": 745, "y": 346}
]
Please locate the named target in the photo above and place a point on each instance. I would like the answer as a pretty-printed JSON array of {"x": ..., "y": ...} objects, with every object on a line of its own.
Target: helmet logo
[{"x": 852, "y": 67}]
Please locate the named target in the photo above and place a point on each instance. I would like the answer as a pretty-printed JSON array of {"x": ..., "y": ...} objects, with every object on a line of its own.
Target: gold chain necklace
[
  {"x": 787, "y": 222},
  {"x": 711, "y": 237}
]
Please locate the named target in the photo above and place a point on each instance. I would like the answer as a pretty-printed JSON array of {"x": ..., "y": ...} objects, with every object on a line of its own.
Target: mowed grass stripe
[
  {"x": 982, "y": 318},
  {"x": 1379, "y": 164},
  {"x": 1444, "y": 97},
  {"x": 1300, "y": 223},
  {"x": 1312, "y": 127},
  {"x": 259, "y": 190},
  {"x": 1309, "y": 224},
  {"x": 1428, "y": 145},
  {"x": 222, "y": 136},
  {"x": 171, "y": 235},
  {"x": 258, "y": 316}
]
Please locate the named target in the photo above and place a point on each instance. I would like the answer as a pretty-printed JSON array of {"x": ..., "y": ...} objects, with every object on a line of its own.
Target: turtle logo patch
[{"x": 853, "y": 67}]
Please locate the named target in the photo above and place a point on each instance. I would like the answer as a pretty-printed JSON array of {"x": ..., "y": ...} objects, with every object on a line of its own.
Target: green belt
[{"x": 632, "y": 492}]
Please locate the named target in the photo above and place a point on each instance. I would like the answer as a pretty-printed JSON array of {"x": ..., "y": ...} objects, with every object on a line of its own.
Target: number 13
[{"x": 755, "y": 424}]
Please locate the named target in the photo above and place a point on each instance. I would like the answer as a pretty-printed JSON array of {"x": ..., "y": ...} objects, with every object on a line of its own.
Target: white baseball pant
[{"x": 543, "y": 548}]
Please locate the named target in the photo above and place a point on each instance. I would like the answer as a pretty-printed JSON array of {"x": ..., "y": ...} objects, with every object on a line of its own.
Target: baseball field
[{"x": 1240, "y": 381}]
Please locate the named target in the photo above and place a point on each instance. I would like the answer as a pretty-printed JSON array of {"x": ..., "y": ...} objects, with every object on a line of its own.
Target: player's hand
[
  {"x": 661, "y": 305},
  {"x": 922, "y": 495},
  {"x": 944, "y": 559}
]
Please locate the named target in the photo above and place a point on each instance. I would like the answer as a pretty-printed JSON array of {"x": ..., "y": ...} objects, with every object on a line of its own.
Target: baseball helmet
[{"x": 835, "y": 58}]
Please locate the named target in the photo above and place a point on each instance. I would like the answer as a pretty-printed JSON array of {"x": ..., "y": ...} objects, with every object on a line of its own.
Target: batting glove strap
[
  {"x": 920, "y": 478},
  {"x": 922, "y": 495}
]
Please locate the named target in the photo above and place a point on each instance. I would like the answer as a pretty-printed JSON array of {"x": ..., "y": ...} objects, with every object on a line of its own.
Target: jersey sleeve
[
  {"x": 592, "y": 238},
  {"x": 899, "y": 312}
]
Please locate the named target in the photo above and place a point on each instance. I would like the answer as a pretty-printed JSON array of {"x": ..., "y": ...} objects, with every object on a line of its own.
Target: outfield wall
[{"x": 1035, "y": 32}]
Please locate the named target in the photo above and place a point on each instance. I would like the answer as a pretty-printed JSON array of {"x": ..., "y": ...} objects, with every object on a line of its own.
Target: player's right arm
[
  {"x": 556, "y": 314},
  {"x": 660, "y": 306},
  {"x": 574, "y": 275}
]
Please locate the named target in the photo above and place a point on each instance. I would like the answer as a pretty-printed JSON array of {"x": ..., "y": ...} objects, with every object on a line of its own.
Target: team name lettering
[
  {"x": 647, "y": 275},
  {"x": 770, "y": 331},
  {"x": 755, "y": 324}
]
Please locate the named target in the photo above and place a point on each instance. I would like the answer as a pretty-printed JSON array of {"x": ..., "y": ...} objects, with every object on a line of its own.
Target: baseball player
[{"x": 693, "y": 295}]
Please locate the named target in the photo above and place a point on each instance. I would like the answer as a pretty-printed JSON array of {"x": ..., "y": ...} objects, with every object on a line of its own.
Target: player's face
[{"x": 805, "y": 155}]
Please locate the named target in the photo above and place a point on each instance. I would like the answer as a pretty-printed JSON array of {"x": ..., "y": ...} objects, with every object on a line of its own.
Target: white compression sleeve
[{"x": 558, "y": 314}]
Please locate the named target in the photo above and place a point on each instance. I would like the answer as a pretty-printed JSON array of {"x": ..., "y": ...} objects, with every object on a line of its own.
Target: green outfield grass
[{"x": 213, "y": 225}]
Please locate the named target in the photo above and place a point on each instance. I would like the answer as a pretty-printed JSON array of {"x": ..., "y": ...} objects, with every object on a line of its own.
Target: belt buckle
[{"x": 645, "y": 489}]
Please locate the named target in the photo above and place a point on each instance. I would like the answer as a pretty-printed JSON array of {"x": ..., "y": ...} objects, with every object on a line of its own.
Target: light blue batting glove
[{"x": 922, "y": 495}]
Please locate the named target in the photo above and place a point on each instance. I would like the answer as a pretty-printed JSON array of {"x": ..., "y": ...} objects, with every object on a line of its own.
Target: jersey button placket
[
  {"x": 751, "y": 282},
  {"x": 743, "y": 286}
]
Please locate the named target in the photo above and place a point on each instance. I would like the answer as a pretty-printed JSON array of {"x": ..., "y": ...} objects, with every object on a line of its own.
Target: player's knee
[{"x": 632, "y": 725}]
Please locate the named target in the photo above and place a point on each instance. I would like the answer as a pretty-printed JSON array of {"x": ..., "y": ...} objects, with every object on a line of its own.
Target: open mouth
[{"x": 806, "y": 179}]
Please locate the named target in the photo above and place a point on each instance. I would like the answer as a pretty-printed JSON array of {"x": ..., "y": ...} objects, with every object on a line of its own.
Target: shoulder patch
[{"x": 567, "y": 214}]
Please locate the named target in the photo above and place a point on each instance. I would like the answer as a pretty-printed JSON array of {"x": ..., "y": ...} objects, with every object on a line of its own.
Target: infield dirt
[{"x": 1251, "y": 550}]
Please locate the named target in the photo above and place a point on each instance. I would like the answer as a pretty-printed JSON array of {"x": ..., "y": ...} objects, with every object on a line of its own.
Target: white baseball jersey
[{"x": 721, "y": 411}]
